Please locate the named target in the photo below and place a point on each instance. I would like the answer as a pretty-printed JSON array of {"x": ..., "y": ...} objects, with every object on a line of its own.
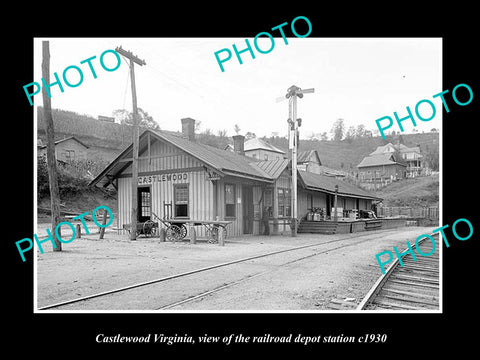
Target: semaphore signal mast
[{"x": 293, "y": 124}]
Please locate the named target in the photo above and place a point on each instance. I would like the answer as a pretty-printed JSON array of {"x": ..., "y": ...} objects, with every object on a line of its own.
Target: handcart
[
  {"x": 176, "y": 229},
  {"x": 147, "y": 228}
]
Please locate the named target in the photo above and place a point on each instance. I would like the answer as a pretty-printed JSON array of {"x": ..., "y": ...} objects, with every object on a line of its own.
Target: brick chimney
[
  {"x": 238, "y": 144},
  {"x": 188, "y": 128}
]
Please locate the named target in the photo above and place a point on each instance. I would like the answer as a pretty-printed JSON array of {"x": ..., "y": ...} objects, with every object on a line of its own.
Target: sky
[{"x": 356, "y": 79}]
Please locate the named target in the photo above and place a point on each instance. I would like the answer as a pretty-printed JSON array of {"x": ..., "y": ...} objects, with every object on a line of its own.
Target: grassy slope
[
  {"x": 416, "y": 192},
  {"x": 79, "y": 203}
]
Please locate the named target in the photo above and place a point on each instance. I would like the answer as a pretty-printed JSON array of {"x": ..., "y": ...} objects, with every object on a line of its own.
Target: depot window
[
  {"x": 181, "y": 200},
  {"x": 268, "y": 200},
  {"x": 229, "y": 200},
  {"x": 284, "y": 202}
]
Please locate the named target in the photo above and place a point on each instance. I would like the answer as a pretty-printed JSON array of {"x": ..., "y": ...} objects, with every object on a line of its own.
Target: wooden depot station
[{"x": 183, "y": 181}]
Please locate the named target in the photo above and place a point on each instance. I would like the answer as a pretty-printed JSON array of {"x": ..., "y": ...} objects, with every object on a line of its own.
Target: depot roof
[
  {"x": 224, "y": 162},
  {"x": 320, "y": 182},
  {"x": 229, "y": 163}
]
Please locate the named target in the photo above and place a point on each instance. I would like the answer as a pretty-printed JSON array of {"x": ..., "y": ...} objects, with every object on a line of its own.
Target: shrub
[{"x": 73, "y": 177}]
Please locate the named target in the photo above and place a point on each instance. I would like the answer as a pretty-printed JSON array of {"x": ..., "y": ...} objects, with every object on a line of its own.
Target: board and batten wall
[
  {"x": 161, "y": 174},
  {"x": 206, "y": 196}
]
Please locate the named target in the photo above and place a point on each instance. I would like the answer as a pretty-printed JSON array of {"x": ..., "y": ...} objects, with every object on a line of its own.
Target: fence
[{"x": 406, "y": 211}]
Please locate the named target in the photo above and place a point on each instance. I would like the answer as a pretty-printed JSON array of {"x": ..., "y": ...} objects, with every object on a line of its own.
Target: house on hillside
[
  {"x": 261, "y": 150},
  {"x": 411, "y": 156},
  {"x": 181, "y": 178},
  {"x": 66, "y": 150},
  {"x": 103, "y": 137},
  {"x": 309, "y": 161},
  {"x": 378, "y": 170}
]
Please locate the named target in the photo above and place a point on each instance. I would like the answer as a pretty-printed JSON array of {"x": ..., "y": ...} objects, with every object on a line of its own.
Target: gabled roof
[
  {"x": 224, "y": 162},
  {"x": 383, "y": 149},
  {"x": 378, "y": 159},
  {"x": 273, "y": 168},
  {"x": 63, "y": 140},
  {"x": 327, "y": 184},
  {"x": 389, "y": 148},
  {"x": 229, "y": 163},
  {"x": 304, "y": 156},
  {"x": 256, "y": 143}
]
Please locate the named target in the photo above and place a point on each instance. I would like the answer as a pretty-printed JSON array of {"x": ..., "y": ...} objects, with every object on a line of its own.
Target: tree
[
  {"x": 126, "y": 117},
  {"x": 324, "y": 136},
  {"x": 236, "y": 129},
  {"x": 361, "y": 131},
  {"x": 350, "y": 134},
  {"x": 432, "y": 158},
  {"x": 338, "y": 129},
  {"x": 312, "y": 136},
  {"x": 250, "y": 135},
  {"x": 222, "y": 133},
  {"x": 399, "y": 158},
  {"x": 197, "y": 126}
]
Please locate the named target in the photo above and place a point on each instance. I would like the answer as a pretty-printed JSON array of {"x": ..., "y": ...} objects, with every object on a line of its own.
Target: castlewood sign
[{"x": 149, "y": 179}]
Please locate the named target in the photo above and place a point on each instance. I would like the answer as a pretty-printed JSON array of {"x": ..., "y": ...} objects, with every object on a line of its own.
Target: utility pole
[
  {"x": 51, "y": 158},
  {"x": 292, "y": 93},
  {"x": 133, "y": 60}
]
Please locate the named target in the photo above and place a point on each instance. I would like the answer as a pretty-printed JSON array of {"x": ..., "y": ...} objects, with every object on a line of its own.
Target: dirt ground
[{"x": 309, "y": 280}]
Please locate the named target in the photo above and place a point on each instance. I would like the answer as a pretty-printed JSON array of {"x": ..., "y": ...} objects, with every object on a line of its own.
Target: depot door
[{"x": 144, "y": 209}]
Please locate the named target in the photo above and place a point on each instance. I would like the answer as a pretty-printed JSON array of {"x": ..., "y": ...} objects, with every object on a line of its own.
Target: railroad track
[
  {"x": 115, "y": 295},
  {"x": 415, "y": 286}
]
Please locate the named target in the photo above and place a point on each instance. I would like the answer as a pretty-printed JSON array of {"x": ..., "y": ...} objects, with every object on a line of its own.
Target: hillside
[
  {"x": 414, "y": 192},
  {"x": 345, "y": 155},
  {"x": 75, "y": 204},
  {"x": 107, "y": 139}
]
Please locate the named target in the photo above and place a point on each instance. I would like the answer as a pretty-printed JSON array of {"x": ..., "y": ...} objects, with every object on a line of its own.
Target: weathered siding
[
  {"x": 171, "y": 159},
  {"x": 382, "y": 172},
  {"x": 310, "y": 199},
  {"x": 162, "y": 192},
  {"x": 161, "y": 174},
  {"x": 162, "y": 166},
  {"x": 236, "y": 227},
  {"x": 124, "y": 202},
  {"x": 280, "y": 223},
  {"x": 258, "y": 206},
  {"x": 311, "y": 166},
  {"x": 68, "y": 150}
]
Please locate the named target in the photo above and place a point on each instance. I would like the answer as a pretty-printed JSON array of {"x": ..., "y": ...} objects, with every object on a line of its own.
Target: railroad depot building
[{"x": 183, "y": 179}]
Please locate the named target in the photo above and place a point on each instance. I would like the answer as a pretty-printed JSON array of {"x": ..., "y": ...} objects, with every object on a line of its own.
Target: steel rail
[
  {"x": 375, "y": 289},
  {"x": 249, "y": 277},
  {"x": 170, "y": 277}
]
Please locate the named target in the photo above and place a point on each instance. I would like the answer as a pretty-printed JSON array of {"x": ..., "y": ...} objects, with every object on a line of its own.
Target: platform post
[
  {"x": 221, "y": 237},
  {"x": 193, "y": 235}
]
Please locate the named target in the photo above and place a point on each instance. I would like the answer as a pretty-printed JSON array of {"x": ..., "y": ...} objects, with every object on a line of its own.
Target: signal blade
[{"x": 307, "y": 91}]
